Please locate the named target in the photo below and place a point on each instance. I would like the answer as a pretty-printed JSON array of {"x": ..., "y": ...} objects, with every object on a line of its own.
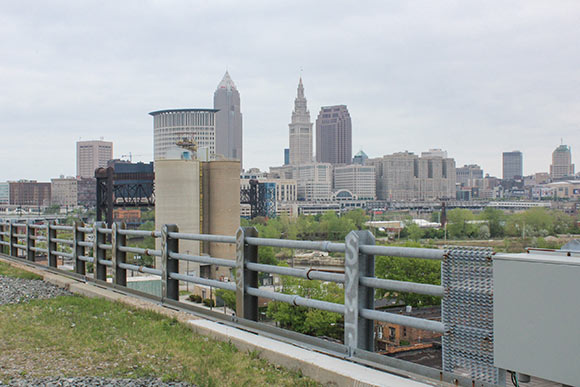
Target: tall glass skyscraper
[
  {"x": 334, "y": 135},
  {"x": 228, "y": 128},
  {"x": 513, "y": 165},
  {"x": 561, "y": 162}
]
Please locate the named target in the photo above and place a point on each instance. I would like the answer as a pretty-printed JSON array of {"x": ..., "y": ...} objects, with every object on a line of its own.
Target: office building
[
  {"x": 406, "y": 176},
  {"x": 92, "y": 155},
  {"x": 469, "y": 175},
  {"x": 300, "y": 130},
  {"x": 436, "y": 152},
  {"x": 228, "y": 126},
  {"x": 561, "y": 162},
  {"x": 64, "y": 191},
  {"x": 360, "y": 158},
  {"x": 314, "y": 181},
  {"x": 5, "y": 193},
  {"x": 358, "y": 179},
  {"x": 334, "y": 135},
  {"x": 87, "y": 191},
  {"x": 29, "y": 193},
  {"x": 513, "y": 165},
  {"x": 171, "y": 126}
]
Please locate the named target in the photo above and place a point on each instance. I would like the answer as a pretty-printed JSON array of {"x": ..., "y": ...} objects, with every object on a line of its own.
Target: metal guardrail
[{"x": 358, "y": 280}]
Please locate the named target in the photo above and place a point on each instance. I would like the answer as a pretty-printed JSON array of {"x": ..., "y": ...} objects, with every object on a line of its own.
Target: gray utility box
[{"x": 536, "y": 308}]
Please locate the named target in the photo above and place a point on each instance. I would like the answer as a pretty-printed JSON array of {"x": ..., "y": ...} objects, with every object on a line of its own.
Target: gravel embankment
[
  {"x": 90, "y": 381},
  {"x": 17, "y": 290}
]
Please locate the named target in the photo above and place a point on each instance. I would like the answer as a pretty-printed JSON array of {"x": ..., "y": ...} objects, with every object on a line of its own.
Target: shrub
[
  {"x": 195, "y": 298},
  {"x": 209, "y": 302}
]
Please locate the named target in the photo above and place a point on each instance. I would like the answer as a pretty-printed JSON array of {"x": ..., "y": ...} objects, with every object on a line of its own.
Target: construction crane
[{"x": 130, "y": 156}]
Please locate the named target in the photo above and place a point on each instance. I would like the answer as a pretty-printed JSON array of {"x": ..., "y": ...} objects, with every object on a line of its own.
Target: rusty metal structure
[
  {"x": 124, "y": 185},
  {"x": 261, "y": 197}
]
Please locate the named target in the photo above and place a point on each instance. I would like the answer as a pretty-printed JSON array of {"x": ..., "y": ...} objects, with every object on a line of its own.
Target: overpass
[{"x": 475, "y": 283}]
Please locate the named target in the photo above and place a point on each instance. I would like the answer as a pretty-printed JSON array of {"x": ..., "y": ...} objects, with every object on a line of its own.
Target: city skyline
[{"x": 420, "y": 76}]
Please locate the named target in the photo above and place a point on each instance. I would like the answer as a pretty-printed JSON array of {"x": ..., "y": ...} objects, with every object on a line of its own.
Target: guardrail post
[
  {"x": 78, "y": 250},
  {"x": 100, "y": 270},
  {"x": 50, "y": 244},
  {"x": 169, "y": 286},
  {"x": 12, "y": 250},
  {"x": 246, "y": 305},
  {"x": 358, "y": 331},
  {"x": 118, "y": 256},
  {"x": 30, "y": 232}
]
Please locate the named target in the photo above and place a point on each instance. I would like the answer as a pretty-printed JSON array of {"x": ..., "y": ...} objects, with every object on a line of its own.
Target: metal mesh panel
[{"x": 467, "y": 313}]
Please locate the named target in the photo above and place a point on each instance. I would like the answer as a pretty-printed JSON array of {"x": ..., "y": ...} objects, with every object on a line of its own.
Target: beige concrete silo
[{"x": 177, "y": 201}]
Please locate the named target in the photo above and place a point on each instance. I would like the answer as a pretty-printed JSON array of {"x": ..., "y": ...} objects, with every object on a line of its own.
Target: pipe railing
[{"x": 109, "y": 253}]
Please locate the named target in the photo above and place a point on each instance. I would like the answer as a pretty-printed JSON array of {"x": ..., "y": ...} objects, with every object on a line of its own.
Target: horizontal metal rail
[
  {"x": 60, "y": 227},
  {"x": 38, "y": 226},
  {"x": 18, "y": 224},
  {"x": 85, "y": 243},
  {"x": 85, "y": 229},
  {"x": 144, "y": 233},
  {"x": 19, "y": 235},
  {"x": 62, "y": 254},
  {"x": 4, "y": 243},
  {"x": 297, "y": 300},
  {"x": 141, "y": 269},
  {"x": 413, "y": 322},
  {"x": 104, "y": 230},
  {"x": 402, "y": 286},
  {"x": 63, "y": 241},
  {"x": 4, "y": 233},
  {"x": 106, "y": 262},
  {"x": 409, "y": 252},
  {"x": 39, "y": 250},
  {"x": 203, "y": 237},
  {"x": 105, "y": 246},
  {"x": 291, "y": 244},
  {"x": 138, "y": 250},
  {"x": 19, "y": 246},
  {"x": 300, "y": 273},
  {"x": 86, "y": 259},
  {"x": 203, "y": 259},
  {"x": 203, "y": 281},
  {"x": 38, "y": 237}
]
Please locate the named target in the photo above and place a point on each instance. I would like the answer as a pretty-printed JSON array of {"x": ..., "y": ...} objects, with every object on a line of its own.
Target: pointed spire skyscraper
[
  {"x": 300, "y": 130},
  {"x": 228, "y": 128}
]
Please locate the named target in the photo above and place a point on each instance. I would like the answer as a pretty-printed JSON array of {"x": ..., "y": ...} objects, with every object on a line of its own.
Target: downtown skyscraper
[
  {"x": 228, "y": 128},
  {"x": 300, "y": 130},
  {"x": 334, "y": 135}
]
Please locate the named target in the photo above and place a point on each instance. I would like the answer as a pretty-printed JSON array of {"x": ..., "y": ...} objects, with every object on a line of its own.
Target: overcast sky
[{"x": 473, "y": 78}]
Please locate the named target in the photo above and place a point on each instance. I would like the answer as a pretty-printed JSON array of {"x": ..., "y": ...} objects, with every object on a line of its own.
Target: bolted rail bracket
[
  {"x": 78, "y": 250},
  {"x": 118, "y": 256},
  {"x": 100, "y": 270},
  {"x": 246, "y": 305},
  {"x": 51, "y": 244},
  {"x": 30, "y": 232},
  {"x": 169, "y": 286},
  {"x": 358, "y": 331}
]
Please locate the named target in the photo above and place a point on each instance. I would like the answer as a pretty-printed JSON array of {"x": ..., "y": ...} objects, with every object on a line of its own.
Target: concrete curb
[{"x": 322, "y": 368}]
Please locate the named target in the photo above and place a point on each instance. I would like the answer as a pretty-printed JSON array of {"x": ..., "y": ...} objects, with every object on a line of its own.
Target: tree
[
  {"x": 414, "y": 231},
  {"x": 358, "y": 218},
  {"x": 495, "y": 220},
  {"x": 412, "y": 270},
  {"x": 304, "y": 320},
  {"x": 458, "y": 226},
  {"x": 228, "y": 296}
]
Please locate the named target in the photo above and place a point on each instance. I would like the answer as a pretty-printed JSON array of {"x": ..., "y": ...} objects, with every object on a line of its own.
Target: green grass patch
[
  {"x": 11, "y": 271},
  {"x": 77, "y": 336}
]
